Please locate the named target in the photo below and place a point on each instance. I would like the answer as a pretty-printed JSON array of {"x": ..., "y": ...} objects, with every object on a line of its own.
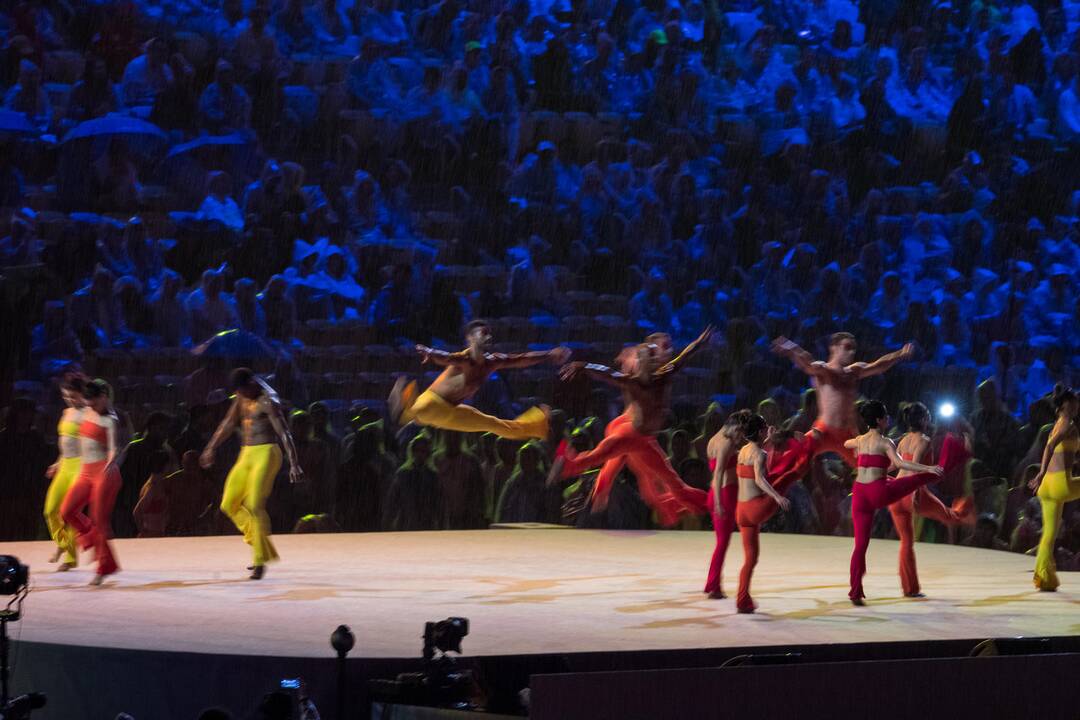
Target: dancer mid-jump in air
[
  {"x": 440, "y": 406},
  {"x": 647, "y": 394},
  {"x": 257, "y": 411},
  {"x": 837, "y": 384}
]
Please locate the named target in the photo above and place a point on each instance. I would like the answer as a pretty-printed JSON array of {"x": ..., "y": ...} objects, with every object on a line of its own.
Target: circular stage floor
[{"x": 525, "y": 591}]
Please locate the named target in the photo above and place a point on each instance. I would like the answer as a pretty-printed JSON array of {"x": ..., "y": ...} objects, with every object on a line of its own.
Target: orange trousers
[
  {"x": 927, "y": 504},
  {"x": 750, "y": 516},
  {"x": 660, "y": 486}
]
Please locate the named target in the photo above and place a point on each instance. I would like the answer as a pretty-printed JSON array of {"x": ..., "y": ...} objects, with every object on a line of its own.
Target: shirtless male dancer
[
  {"x": 440, "y": 405},
  {"x": 647, "y": 394},
  {"x": 837, "y": 384},
  {"x": 258, "y": 412}
]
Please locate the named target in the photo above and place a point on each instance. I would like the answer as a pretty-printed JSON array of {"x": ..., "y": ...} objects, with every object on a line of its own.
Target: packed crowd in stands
[{"x": 312, "y": 188}]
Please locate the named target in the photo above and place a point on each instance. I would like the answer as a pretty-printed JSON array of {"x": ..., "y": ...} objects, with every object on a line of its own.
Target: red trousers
[
  {"x": 97, "y": 487},
  {"x": 610, "y": 469},
  {"x": 868, "y": 498},
  {"x": 927, "y": 504},
  {"x": 723, "y": 526},
  {"x": 750, "y": 516},
  {"x": 660, "y": 486},
  {"x": 832, "y": 439}
]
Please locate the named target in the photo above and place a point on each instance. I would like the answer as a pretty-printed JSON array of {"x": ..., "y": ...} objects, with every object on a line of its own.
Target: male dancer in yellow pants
[
  {"x": 262, "y": 424},
  {"x": 440, "y": 405}
]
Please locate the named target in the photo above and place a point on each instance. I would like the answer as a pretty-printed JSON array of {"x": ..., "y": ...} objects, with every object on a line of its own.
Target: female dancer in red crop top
[
  {"x": 723, "y": 451},
  {"x": 760, "y": 495},
  {"x": 915, "y": 447},
  {"x": 874, "y": 489},
  {"x": 98, "y": 481}
]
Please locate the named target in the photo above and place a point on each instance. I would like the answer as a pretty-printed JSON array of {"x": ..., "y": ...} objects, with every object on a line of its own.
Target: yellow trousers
[
  {"x": 59, "y": 531},
  {"x": 1057, "y": 488},
  {"x": 431, "y": 410},
  {"x": 246, "y": 489}
]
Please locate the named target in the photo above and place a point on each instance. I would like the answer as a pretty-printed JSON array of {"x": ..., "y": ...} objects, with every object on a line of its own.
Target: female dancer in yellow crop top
[
  {"x": 1055, "y": 483},
  {"x": 63, "y": 473}
]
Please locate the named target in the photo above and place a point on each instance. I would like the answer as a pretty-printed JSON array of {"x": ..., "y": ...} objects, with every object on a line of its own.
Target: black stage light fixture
[
  {"x": 444, "y": 636},
  {"x": 13, "y": 575},
  {"x": 441, "y": 683}
]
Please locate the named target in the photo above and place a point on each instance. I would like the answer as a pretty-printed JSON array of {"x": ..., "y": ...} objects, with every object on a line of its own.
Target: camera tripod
[{"x": 6, "y": 616}]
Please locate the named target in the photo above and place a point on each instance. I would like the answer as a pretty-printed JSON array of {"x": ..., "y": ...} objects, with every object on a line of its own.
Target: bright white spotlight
[{"x": 947, "y": 410}]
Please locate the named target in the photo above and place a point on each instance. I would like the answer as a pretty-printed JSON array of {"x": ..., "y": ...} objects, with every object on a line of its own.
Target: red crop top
[
  {"x": 97, "y": 433},
  {"x": 873, "y": 461}
]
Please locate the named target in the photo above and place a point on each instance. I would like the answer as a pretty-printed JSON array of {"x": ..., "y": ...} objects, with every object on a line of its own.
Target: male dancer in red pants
[
  {"x": 837, "y": 384},
  {"x": 647, "y": 393}
]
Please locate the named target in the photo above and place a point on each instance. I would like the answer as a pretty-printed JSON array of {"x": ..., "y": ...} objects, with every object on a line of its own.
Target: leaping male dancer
[
  {"x": 646, "y": 391},
  {"x": 837, "y": 384},
  {"x": 440, "y": 405}
]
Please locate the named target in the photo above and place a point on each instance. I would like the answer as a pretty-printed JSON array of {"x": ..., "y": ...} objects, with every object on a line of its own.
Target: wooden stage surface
[{"x": 525, "y": 591}]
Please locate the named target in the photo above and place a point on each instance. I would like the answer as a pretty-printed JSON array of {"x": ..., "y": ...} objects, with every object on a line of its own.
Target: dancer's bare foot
[
  {"x": 56, "y": 555},
  {"x": 64, "y": 567},
  {"x": 257, "y": 572},
  {"x": 746, "y": 610},
  {"x": 97, "y": 581},
  {"x": 963, "y": 511},
  {"x": 858, "y": 602},
  {"x": 717, "y": 595},
  {"x": 914, "y": 595}
]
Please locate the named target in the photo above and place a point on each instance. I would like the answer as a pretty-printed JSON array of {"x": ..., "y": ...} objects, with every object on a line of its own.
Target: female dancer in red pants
[
  {"x": 874, "y": 489},
  {"x": 98, "y": 481},
  {"x": 723, "y": 451},
  {"x": 760, "y": 496},
  {"x": 915, "y": 447}
]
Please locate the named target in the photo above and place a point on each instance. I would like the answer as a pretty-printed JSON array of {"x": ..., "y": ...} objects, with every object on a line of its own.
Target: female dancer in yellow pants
[
  {"x": 63, "y": 473},
  {"x": 1055, "y": 483},
  {"x": 258, "y": 413},
  {"x": 440, "y": 405}
]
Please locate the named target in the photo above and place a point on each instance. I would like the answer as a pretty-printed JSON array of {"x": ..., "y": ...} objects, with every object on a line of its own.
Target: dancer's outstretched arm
[
  {"x": 500, "y": 361},
  {"x": 441, "y": 357},
  {"x": 676, "y": 363},
  {"x": 885, "y": 362},
  {"x": 896, "y": 460},
  {"x": 799, "y": 357},
  {"x": 595, "y": 371}
]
